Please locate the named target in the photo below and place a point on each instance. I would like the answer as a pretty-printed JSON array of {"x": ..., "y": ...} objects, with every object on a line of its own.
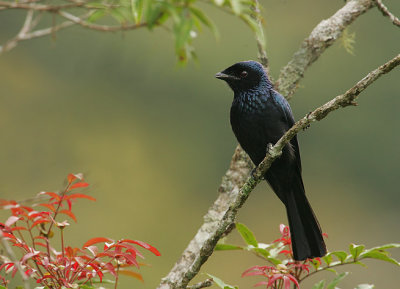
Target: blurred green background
[{"x": 153, "y": 139}]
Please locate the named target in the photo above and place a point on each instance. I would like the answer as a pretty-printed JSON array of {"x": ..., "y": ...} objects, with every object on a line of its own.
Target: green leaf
[
  {"x": 117, "y": 14},
  {"x": 360, "y": 263},
  {"x": 221, "y": 284},
  {"x": 356, "y": 250},
  {"x": 155, "y": 11},
  {"x": 336, "y": 281},
  {"x": 379, "y": 255},
  {"x": 226, "y": 247},
  {"x": 341, "y": 255},
  {"x": 2, "y": 287},
  {"x": 137, "y": 9},
  {"x": 348, "y": 41},
  {"x": 219, "y": 2},
  {"x": 253, "y": 24},
  {"x": 260, "y": 251},
  {"x": 236, "y": 6},
  {"x": 328, "y": 259},
  {"x": 96, "y": 15},
  {"x": 331, "y": 270},
  {"x": 319, "y": 285},
  {"x": 384, "y": 247},
  {"x": 365, "y": 286},
  {"x": 246, "y": 234},
  {"x": 205, "y": 20}
]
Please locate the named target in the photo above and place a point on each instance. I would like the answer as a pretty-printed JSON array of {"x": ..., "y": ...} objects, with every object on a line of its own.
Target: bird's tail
[{"x": 306, "y": 235}]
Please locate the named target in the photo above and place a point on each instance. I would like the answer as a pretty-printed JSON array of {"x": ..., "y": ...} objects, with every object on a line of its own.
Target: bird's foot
[{"x": 269, "y": 148}]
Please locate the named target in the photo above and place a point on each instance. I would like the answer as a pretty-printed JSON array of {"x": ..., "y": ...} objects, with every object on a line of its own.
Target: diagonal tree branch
[
  {"x": 322, "y": 36},
  {"x": 385, "y": 11},
  {"x": 221, "y": 216}
]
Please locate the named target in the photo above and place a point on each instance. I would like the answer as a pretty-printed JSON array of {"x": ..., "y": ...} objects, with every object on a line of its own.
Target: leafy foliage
[
  {"x": 348, "y": 40},
  {"x": 29, "y": 231},
  {"x": 184, "y": 19},
  {"x": 283, "y": 272}
]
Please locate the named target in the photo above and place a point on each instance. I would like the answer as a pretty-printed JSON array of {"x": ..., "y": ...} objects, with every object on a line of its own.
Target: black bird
[{"x": 259, "y": 117}]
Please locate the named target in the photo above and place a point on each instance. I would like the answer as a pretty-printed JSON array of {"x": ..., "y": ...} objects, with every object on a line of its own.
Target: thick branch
[
  {"x": 323, "y": 36},
  {"x": 221, "y": 216},
  {"x": 385, "y": 11}
]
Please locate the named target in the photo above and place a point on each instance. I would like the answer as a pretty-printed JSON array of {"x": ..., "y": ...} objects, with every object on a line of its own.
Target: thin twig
[
  {"x": 26, "y": 27},
  {"x": 385, "y": 11},
  {"x": 260, "y": 39},
  {"x": 39, "y": 7},
  {"x": 99, "y": 27},
  {"x": 14, "y": 259}
]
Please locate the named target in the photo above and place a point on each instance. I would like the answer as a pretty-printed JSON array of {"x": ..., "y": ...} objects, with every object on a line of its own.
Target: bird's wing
[{"x": 289, "y": 120}]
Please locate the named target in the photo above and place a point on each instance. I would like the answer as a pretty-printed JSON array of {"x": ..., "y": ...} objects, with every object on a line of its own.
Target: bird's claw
[{"x": 269, "y": 148}]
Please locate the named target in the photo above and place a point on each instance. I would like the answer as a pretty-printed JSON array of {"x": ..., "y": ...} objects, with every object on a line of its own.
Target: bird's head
[{"x": 245, "y": 75}]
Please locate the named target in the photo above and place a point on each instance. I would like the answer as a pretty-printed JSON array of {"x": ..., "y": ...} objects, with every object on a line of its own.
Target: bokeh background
[{"x": 153, "y": 138}]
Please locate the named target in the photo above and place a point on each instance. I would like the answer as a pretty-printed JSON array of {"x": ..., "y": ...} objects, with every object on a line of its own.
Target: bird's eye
[{"x": 243, "y": 74}]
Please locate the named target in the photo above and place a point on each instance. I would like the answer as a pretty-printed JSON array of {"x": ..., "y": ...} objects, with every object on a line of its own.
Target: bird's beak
[{"x": 224, "y": 76}]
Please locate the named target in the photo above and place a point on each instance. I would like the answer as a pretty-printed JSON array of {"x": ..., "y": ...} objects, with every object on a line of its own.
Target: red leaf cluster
[
  {"x": 29, "y": 231},
  {"x": 282, "y": 275}
]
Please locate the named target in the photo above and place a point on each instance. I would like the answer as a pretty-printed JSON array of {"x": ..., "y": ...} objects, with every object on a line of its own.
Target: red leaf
[
  {"x": 93, "y": 249},
  {"x": 69, "y": 213},
  {"x": 82, "y": 196},
  {"x": 40, "y": 237},
  {"x": 110, "y": 269},
  {"x": 40, "y": 244},
  {"x": 28, "y": 256},
  {"x": 96, "y": 240},
  {"x": 130, "y": 259},
  {"x": 40, "y": 221},
  {"x": 131, "y": 274},
  {"x": 11, "y": 220},
  {"x": 261, "y": 283},
  {"x": 78, "y": 185},
  {"x": 294, "y": 280},
  {"x": 50, "y": 207},
  {"x": 69, "y": 204},
  {"x": 144, "y": 245},
  {"x": 5, "y": 264},
  {"x": 18, "y": 228},
  {"x": 71, "y": 178},
  {"x": 52, "y": 195},
  {"x": 7, "y": 235}
]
